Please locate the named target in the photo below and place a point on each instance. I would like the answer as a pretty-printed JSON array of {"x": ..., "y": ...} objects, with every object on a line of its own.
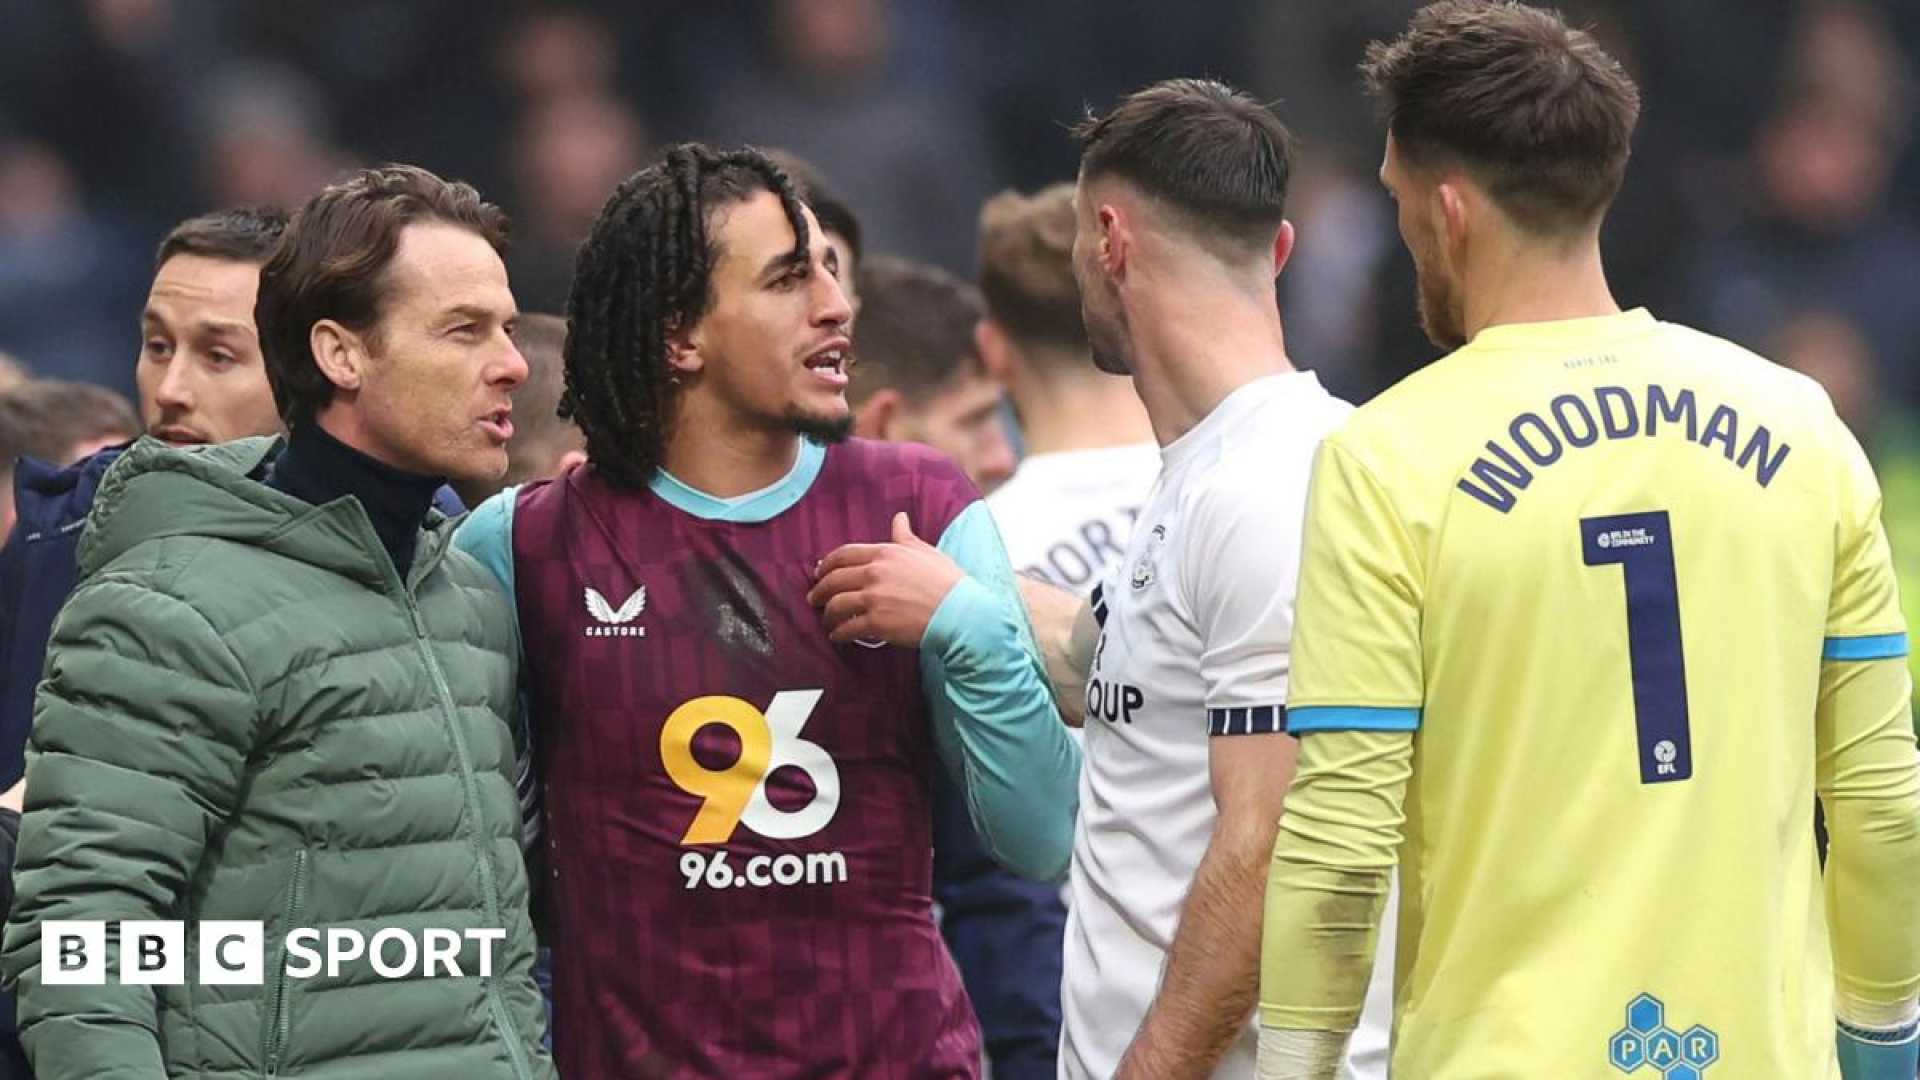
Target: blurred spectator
[
  {"x": 556, "y": 53},
  {"x": 267, "y": 145},
  {"x": 908, "y": 143},
  {"x": 543, "y": 444},
  {"x": 569, "y": 155},
  {"x": 1826, "y": 232},
  {"x": 68, "y": 277},
  {"x": 59, "y": 423},
  {"x": 1346, "y": 242},
  {"x": 917, "y": 375},
  {"x": 1833, "y": 351}
]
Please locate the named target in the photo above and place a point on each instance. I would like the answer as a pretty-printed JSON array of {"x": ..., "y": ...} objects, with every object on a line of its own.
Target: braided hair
[{"x": 646, "y": 271}]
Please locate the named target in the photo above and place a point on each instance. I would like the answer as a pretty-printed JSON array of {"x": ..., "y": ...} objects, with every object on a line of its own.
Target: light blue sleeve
[
  {"x": 1878, "y": 1055},
  {"x": 994, "y": 720},
  {"x": 487, "y": 535}
]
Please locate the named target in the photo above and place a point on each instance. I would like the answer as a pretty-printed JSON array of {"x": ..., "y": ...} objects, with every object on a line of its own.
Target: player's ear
[
  {"x": 339, "y": 353},
  {"x": 1115, "y": 245},
  {"x": 881, "y": 416},
  {"x": 1451, "y": 200},
  {"x": 683, "y": 348},
  {"x": 995, "y": 349},
  {"x": 1282, "y": 247}
]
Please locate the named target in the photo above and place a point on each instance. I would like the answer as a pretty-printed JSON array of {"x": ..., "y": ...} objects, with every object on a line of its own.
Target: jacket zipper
[
  {"x": 281, "y": 1020},
  {"x": 489, "y": 894}
]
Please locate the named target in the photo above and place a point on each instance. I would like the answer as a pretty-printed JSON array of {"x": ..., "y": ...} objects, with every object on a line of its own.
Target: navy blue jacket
[{"x": 38, "y": 569}]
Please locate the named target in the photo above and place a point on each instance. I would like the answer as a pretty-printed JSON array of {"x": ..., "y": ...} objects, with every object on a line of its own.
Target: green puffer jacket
[{"x": 247, "y": 716}]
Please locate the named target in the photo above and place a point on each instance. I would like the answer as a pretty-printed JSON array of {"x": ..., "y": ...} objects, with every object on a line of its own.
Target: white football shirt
[
  {"x": 1195, "y": 626},
  {"x": 1066, "y": 516}
]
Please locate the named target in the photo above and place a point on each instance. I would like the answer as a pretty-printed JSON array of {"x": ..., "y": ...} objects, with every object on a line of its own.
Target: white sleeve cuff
[{"x": 1290, "y": 1054}]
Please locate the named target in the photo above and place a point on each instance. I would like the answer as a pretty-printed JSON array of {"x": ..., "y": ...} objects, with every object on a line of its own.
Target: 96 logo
[{"x": 736, "y": 795}]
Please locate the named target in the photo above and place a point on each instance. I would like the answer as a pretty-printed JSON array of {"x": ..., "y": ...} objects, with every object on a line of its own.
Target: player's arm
[
  {"x": 1868, "y": 778},
  {"x": 1326, "y": 892},
  {"x": 1211, "y": 981},
  {"x": 1066, "y": 630},
  {"x": 994, "y": 721},
  {"x": 1354, "y": 703},
  {"x": 1239, "y": 586}
]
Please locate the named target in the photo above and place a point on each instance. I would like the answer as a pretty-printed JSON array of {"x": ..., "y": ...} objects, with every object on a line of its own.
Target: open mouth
[
  {"x": 830, "y": 364},
  {"x": 499, "y": 423}
]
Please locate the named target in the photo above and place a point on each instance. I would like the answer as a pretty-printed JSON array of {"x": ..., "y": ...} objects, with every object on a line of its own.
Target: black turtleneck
[{"x": 318, "y": 468}]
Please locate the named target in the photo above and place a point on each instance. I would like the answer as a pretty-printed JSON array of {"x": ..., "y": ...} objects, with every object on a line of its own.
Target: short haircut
[
  {"x": 1216, "y": 156},
  {"x": 49, "y": 418},
  {"x": 1534, "y": 109},
  {"x": 834, "y": 215},
  {"x": 539, "y": 431},
  {"x": 238, "y": 234},
  {"x": 915, "y": 330},
  {"x": 1026, "y": 267},
  {"x": 331, "y": 263}
]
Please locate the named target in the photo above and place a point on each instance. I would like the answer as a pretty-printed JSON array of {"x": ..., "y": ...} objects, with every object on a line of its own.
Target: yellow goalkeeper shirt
[{"x": 1591, "y": 609}]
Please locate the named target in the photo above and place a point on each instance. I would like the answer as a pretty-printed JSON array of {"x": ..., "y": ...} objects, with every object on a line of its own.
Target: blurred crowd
[{"x": 1774, "y": 199}]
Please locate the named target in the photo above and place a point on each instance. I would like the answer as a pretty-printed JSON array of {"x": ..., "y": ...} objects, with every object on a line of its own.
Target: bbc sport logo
[{"x": 233, "y": 952}]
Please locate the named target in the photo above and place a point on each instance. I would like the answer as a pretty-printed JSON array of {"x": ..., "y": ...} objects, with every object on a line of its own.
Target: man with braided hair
[{"x": 736, "y": 800}]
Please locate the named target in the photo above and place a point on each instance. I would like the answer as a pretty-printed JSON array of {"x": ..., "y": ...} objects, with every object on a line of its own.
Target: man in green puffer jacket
[{"x": 279, "y": 695}]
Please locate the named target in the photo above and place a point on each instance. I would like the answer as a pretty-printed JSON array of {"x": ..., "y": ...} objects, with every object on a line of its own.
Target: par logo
[
  {"x": 613, "y": 620},
  {"x": 1649, "y": 1043}
]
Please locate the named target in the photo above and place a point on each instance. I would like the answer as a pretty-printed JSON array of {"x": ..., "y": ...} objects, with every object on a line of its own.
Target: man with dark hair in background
[
  {"x": 544, "y": 444},
  {"x": 58, "y": 423},
  {"x": 736, "y": 799},
  {"x": 277, "y": 692},
  {"x": 1591, "y": 610},
  {"x": 837, "y": 220},
  {"x": 1181, "y": 232},
  {"x": 200, "y": 379},
  {"x": 917, "y": 375}
]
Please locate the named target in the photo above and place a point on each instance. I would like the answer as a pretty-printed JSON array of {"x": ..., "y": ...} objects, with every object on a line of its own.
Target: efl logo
[
  {"x": 233, "y": 952},
  {"x": 736, "y": 794}
]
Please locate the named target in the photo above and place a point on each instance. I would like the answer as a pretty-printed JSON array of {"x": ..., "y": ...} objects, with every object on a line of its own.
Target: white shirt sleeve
[{"x": 1242, "y": 562}]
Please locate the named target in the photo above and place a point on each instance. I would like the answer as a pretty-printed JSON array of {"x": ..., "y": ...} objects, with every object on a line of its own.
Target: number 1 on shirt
[{"x": 1642, "y": 546}]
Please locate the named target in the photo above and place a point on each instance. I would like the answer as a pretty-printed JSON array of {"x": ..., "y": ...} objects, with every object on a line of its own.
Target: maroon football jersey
[{"x": 737, "y": 810}]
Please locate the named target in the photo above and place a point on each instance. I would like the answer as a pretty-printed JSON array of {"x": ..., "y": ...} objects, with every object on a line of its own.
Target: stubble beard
[
  {"x": 1106, "y": 343},
  {"x": 1439, "y": 312},
  {"x": 823, "y": 430}
]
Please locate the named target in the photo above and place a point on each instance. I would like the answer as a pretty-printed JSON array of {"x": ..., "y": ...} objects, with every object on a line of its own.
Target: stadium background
[{"x": 1774, "y": 196}]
